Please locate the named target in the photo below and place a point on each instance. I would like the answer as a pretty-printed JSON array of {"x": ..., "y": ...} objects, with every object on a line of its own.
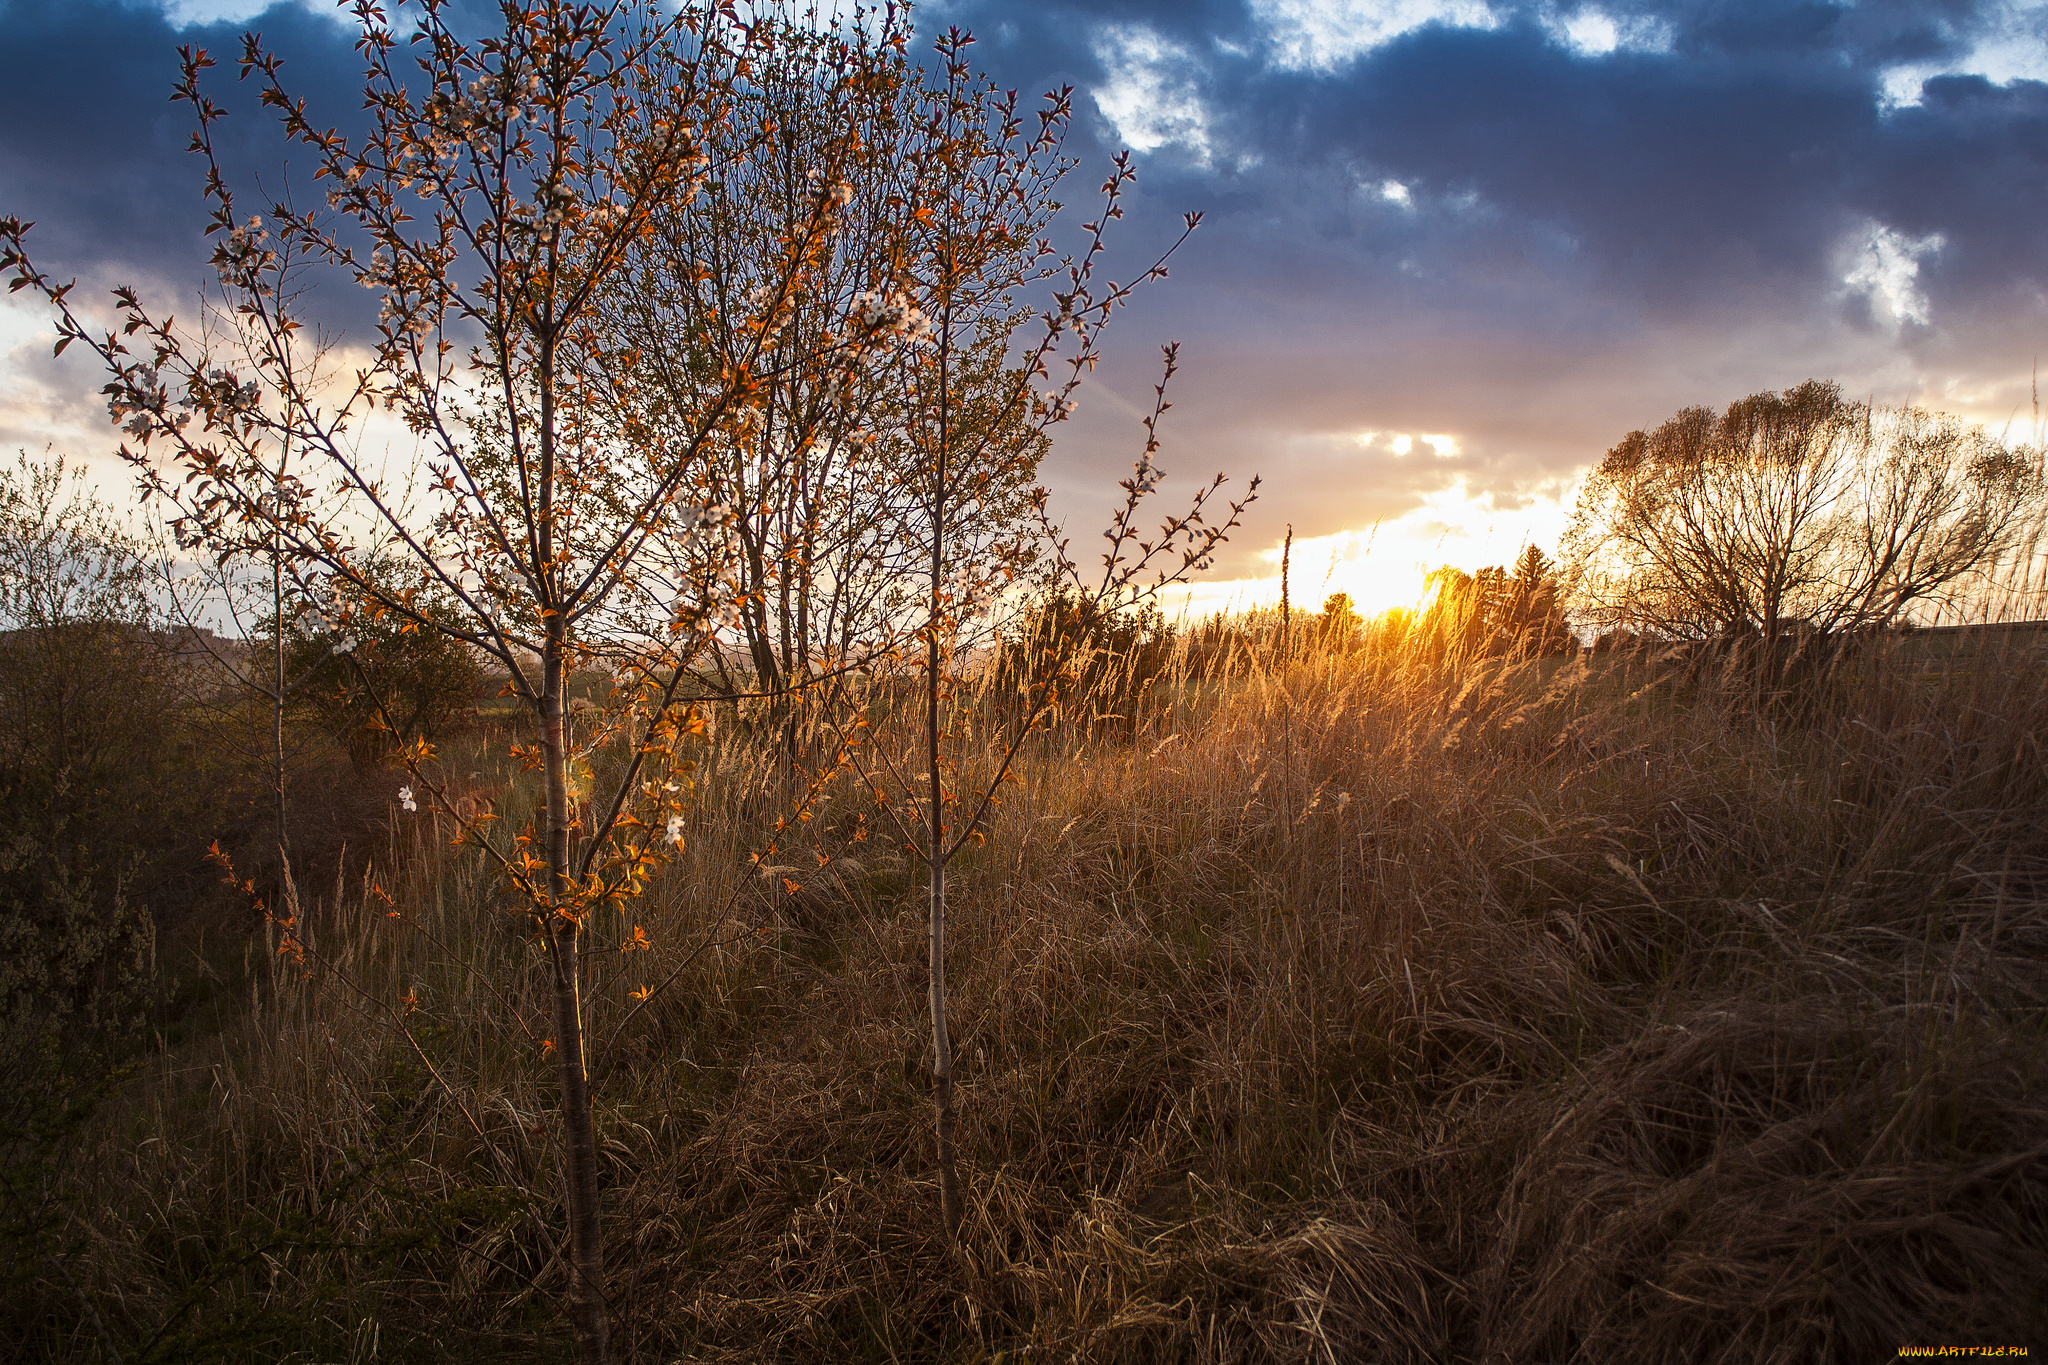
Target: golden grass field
[{"x": 1388, "y": 1005}]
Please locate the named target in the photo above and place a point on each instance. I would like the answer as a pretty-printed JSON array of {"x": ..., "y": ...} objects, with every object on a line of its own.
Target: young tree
[
  {"x": 1339, "y": 627},
  {"x": 1802, "y": 510},
  {"x": 980, "y": 180},
  {"x": 502, "y": 186},
  {"x": 254, "y": 595},
  {"x": 822, "y": 514},
  {"x": 1531, "y": 617}
]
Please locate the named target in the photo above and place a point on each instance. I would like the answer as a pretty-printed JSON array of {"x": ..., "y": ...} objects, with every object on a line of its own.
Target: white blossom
[
  {"x": 891, "y": 313},
  {"x": 1147, "y": 475},
  {"x": 405, "y": 799},
  {"x": 1055, "y": 406},
  {"x": 703, "y": 520}
]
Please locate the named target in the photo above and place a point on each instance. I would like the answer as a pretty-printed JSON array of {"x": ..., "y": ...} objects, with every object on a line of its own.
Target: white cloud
[
  {"x": 1323, "y": 34},
  {"x": 1594, "y": 32},
  {"x": 188, "y": 13},
  {"x": 1152, "y": 93},
  {"x": 1884, "y": 265},
  {"x": 2014, "y": 48},
  {"x": 1398, "y": 443}
]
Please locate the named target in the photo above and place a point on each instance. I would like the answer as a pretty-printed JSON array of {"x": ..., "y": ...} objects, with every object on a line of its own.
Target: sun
[{"x": 1385, "y": 567}]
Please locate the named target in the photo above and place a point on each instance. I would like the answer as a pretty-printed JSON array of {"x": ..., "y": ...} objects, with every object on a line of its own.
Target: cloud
[
  {"x": 211, "y": 13},
  {"x": 2001, "y": 42},
  {"x": 1885, "y": 269},
  {"x": 1148, "y": 91},
  {"x": 96, "y": 152},
  {"x": 1323, "y": 35},
  {"x": 1526, "y": 226}
]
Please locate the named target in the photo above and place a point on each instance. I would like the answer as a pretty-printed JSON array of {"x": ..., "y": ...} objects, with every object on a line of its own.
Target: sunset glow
[{"x": 1420, "y": 314}]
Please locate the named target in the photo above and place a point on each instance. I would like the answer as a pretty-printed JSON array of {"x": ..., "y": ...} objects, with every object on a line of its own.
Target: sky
[{"x": 1452, "y": 250}]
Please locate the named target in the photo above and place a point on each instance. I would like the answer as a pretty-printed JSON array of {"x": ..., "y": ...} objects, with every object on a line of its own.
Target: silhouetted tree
[
  {"x": 1800, "y": 512},
  {"x": 1339, "y": 627}
]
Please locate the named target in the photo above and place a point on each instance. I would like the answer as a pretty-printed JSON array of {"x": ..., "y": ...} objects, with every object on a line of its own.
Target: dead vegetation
[{"x": 1392, "y": 1007}]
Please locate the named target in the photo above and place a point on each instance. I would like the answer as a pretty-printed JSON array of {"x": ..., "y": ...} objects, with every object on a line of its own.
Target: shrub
[
  {"x": 380, "y": 678},
  {"x": 84, "y": 693},
  {"x": 1099, "y": 663}
]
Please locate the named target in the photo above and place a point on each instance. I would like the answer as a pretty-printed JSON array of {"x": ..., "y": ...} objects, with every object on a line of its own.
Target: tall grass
[{"x": 1394, "y": 1004}]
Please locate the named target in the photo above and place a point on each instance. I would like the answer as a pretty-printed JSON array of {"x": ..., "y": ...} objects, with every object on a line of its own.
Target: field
[{"x": 1385, "y": 1005}]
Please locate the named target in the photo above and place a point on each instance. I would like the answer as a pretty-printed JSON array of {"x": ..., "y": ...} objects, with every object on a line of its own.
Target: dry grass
[{"x": 1393, "y": 1007}]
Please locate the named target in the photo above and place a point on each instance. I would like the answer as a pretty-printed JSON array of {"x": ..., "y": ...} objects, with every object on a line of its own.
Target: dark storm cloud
[
  {"x": 1969, "y": 162},
  {"x": 1671, "y": 179},
  {"x": 95, "y": 151},
  {"x": 1491, "y": 232},
  {"x": 1495, "y": 232},
  {"x": 1728, "y": 165},
  {"x": 1726, "y": 168}
]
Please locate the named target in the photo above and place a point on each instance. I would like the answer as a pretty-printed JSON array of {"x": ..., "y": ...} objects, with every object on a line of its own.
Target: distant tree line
[{"x": 1513, "y": 609}]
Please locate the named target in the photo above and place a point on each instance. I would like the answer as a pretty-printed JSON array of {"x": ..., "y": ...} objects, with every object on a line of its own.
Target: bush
[
  {"x": 1093, "y": 665},
  {"x": 84, "y": 693},
  {"x": 382, "y": 682}
]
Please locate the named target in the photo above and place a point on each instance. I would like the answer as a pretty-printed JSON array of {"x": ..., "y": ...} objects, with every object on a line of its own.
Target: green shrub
[
  {"x": 379, "y": 682},
  {"x": 85, "y": 689}
]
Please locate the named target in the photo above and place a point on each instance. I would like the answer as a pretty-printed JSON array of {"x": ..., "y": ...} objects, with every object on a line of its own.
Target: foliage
[
  {"x": 85, "y": 688},
  {"x": 985, "y": 176},
  {"x": 88, "y": 812},
  {"x": 503, "y": 181},
  {"x": 1083, "y": 661},
  {"x": 386, "y": 681},
  {"x": 823, "y": 512},
  {"x": 1338, "y": 628},
  {"x": 1796, "y": 512},
  {"x": 574, "y": 509},
  {"x": 1497, "y": 611},
  {"x": 1403, "y": 1005}
]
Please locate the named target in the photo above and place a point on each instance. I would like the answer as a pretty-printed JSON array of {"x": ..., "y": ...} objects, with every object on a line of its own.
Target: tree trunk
[
  {"x": 277, "y": 710},
  {"x": 579, "y": 1128},
  {"x": 942, "y": 1043},
  {"x": 942, "y": 1055}
]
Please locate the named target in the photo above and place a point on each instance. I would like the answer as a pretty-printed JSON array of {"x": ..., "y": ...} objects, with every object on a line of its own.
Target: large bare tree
[{"x": 1797, "y": 512}]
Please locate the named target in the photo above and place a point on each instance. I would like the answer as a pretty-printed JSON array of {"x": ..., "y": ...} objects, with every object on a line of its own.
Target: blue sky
[{"x": 1452, "y": 249}]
